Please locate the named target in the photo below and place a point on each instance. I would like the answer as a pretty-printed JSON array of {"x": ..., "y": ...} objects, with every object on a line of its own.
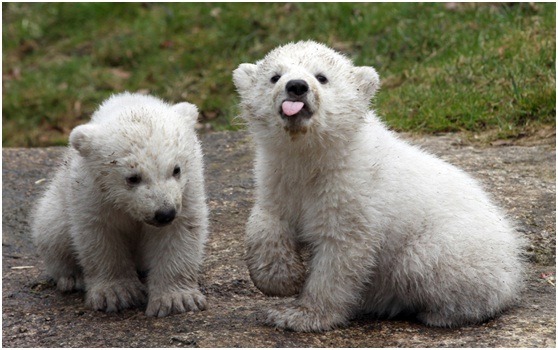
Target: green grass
[{"x": 475, "y": 68}]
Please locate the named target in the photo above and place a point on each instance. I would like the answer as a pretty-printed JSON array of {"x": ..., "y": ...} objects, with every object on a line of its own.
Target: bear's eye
[
  {"x": 176, "y": 171},
  {"x": 275, "y": 78},
  {"x": 133, "y": 180},
  {"x": 321, "y": 78}
]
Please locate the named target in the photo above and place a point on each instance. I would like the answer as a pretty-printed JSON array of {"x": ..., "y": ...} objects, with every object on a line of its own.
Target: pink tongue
[{"x": 290, "y": 107}]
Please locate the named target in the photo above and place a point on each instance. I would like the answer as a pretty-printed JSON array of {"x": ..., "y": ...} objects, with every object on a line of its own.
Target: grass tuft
[{"x": 444, "y": 67}]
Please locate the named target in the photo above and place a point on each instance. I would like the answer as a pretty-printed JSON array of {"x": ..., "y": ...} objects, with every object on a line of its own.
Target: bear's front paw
[
  {"x": 279, "y": 278},
  {"x": 176, "y": 302},
  {"x": 302, "y": 318},
  {"x": 115, "y": 296}
]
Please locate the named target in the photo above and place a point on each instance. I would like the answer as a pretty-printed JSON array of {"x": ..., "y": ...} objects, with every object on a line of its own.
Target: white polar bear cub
[
  {"x": 129, "y": 197},
  {"x": 390, "y": 228}
]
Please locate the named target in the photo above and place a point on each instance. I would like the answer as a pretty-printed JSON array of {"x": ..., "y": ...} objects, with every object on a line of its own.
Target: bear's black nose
[
  {"x": 163, "y": 217},
  {"x": 297, "y": 88}
]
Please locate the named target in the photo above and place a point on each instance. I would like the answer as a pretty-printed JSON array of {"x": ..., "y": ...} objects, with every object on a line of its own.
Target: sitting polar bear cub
[
  {"x": 129, "y": 196},
  {"x": 390, "y": 228}
]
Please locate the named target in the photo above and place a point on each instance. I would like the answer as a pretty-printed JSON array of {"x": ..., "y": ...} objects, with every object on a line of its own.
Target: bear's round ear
[
  {"x": 244, "y": 77},
  {"x": 187, "y": 111},
  {"x": 367, "y": 80},
  {"x": 81, "y": 138}
]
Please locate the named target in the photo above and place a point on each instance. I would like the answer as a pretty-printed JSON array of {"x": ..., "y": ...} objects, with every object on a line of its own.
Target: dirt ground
[{"x": 34, "y": 314}]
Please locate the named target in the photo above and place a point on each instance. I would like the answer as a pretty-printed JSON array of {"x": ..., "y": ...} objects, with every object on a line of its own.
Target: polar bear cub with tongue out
[
  {"x": 390, "y": 229},
  {"x": 129, "y": 197}
]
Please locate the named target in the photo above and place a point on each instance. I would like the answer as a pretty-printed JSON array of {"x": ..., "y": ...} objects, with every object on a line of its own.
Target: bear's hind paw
[{"x": 69, "y": 283}]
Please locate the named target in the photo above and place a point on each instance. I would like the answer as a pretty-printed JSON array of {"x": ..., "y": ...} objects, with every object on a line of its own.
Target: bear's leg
[
  {"x": 110, "y": 275},
  {"x": 174, "y": 255},
  {"x": 339, "y": 269},
  {"x": 60, "y": 260},
  {"x": 468, "y": 293},
  {"x": 61, "y": 263},
  {"x": 454, "y": 278},
  {"x": 451, "y": 314},
  {"x": 52, "y": 238},
  {"x": 275, "y": 265}
]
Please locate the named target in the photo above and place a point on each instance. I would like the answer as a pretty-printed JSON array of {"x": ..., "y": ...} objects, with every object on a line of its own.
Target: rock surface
[{"x": 521, "y": 178}]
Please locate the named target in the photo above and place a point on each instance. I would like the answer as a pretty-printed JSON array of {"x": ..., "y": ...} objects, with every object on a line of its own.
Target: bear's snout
[
  {"x": 297, "y": 88},
  {"x": 164, "y": 217},
  {"x": 296, "y": 109}
]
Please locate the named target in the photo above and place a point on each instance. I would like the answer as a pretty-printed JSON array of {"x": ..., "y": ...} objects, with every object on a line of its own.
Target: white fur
[
  {"x": 95, "y": 230},
  {"x": 390, "y": 228}
]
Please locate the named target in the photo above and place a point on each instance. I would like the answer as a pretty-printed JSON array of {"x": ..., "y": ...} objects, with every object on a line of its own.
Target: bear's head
[
  {"x": 138, "y": 150},
  {"x": 305, "y": 86}
]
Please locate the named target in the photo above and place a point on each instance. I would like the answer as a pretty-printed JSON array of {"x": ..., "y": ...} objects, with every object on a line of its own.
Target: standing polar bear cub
[
  {"x": 129, "y": 197},
  {"x": 390, "y": 228}
]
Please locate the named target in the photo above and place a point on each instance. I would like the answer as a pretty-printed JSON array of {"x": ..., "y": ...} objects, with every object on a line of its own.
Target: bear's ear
[
  {"x": 244, "y": 77},
  {"x": 81, "y": 138},
  {"x": 367, "y": 80},
  {"x": 187, "y": 111}
]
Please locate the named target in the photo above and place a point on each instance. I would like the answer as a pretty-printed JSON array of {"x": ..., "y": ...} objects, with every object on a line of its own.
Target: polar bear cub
[
  {"x": 390, "y": 228},
  {"x": 129, "y": 197}
]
